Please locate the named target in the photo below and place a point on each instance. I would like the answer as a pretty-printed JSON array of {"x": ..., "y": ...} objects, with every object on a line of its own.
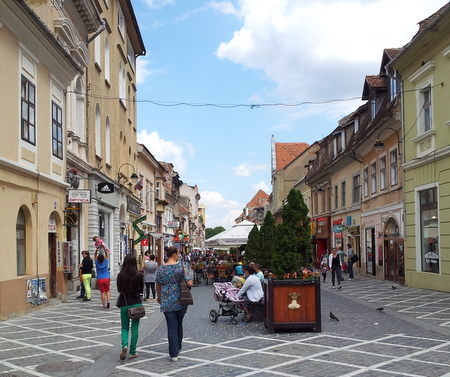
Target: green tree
[
  {"x": 253, "y": 247},
  {"x": 268, "y": 236},
  {"x": 210, "y": 232},
  {"x": 293, "y": 247}
]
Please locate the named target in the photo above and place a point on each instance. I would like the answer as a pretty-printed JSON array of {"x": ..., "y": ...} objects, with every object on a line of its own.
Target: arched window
[
  {"x": 21, "y": 244},
  {"x": 98, "y": 137},
  {"x": 107, "y": 78},
  {"x": 108, "y": 142}
]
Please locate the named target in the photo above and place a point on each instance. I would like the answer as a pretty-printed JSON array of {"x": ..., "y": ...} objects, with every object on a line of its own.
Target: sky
[{"x": 220, "y": 78}]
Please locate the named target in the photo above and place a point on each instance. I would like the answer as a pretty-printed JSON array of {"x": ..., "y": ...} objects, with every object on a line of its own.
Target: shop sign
[
  {"x": 79, "y": 196},
  {"x": 322, "y": 227},
  {"x": 133, "y": 206},
  {"x": 353, "y": 230},
  {"x": 339, "y": 228},
  {"x": 105, "y": 187},
  {"x": 51, "y": 224}
]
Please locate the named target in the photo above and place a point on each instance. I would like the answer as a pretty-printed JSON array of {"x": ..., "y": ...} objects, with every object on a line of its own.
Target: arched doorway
[{"x": 394, "y": 252}]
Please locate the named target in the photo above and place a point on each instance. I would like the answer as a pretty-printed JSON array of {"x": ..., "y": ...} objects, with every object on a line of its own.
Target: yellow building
[
  {"x": 43, "y": 48},
  {"x": 424, "y": 68}
]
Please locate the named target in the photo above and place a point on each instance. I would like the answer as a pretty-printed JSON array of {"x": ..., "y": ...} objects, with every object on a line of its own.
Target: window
[
  {"x": 373, "y": 109},
  {"x": 107, "y": 142},
  {"x": 343, "y": 194},
  {"x": 122, "y": 83},
  {"x": 57, "y": 131},
  {"x": 394, "y": 167},
  {"x": 21, "y": 245},
  {"x": 366, "y": 182},
  {"x": 28, "y": 105},
  {"x": 121, "y": 22},
  {"x": 98, "y": 137},
  {"x": 97, "y": 52},
  {"x": 383, "y": 173},
  {"x": 356, "y": 125},
  {"x": 429, "y": 230},
  {"x": 130, "y": 53},
  {"x": 107, "y": 70},
  {"x": 336, "y": 197},
  {"x": 356, "y": 189},
  {"x": 373, "y": 177},
  {"x": 158, "y": 190},
  {"x": 427, "y": 118}
]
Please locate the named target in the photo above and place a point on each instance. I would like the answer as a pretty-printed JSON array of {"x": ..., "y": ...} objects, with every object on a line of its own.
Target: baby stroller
[{"x": 229, "y": 304}]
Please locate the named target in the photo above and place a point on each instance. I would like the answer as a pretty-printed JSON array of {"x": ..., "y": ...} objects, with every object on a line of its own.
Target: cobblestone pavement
[{"x": 410, "y": 337}]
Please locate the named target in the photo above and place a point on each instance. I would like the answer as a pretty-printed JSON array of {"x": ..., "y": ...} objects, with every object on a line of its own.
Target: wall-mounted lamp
[
  {"x": 134, "y": 177},
  {"x": 379, "y": 145}
]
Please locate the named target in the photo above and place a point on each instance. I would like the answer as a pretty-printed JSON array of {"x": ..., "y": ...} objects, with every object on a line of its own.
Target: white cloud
[
  {"x": 245, "y": 169},
  {"x": 219, "y": 211},
  {"x": 320, "y": 50},
  {"x": 282, "y": 127},
  {"x": 156, "y": 4},
  {"x": 225, "y": 7},
  {"x": 164, "y": 150},
  {"x": 262, "y": 186},
  {"x": 142, "y": 70}
]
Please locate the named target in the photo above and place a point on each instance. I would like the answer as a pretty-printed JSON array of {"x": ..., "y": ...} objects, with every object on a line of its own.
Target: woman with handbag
[
  {"x": 130, "y": 284},
  {"x": 168, "y": 288}
]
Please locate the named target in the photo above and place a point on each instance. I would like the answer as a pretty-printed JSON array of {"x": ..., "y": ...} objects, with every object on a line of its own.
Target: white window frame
[
  {"x": 393, "y": 168},
  {"x": 373, "y": 177},
  {"x": 366, "y": 181},
  {"x": 121, "y": 22},
  {"x": 383, "y": 172}
]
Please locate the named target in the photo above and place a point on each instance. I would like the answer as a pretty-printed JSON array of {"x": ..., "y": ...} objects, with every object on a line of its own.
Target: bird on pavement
[
  {"x": 380, "y": 309},
  {"x": 333, "y": 317},
  {"x": 394, "y": 287}
]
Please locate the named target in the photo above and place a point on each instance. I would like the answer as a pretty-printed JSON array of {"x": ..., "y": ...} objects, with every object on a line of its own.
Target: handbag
[
  {"x": 354, "y": 258},
  {"x": 136, "y": 312},
  {"x": 185, "y": 293}
]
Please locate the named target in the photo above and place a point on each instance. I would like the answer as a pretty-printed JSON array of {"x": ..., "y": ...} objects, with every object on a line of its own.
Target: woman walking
[
  {"x": 103, "y": 276},
  {"x": 168, "y": 289},
  {"x": 130, "y": 284},
  {"x": 334, "y": 263},
  {"x": 86, "y": 267}
]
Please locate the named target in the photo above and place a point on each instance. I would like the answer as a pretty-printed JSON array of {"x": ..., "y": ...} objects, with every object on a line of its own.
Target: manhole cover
[{"x": 59, "y": 367}]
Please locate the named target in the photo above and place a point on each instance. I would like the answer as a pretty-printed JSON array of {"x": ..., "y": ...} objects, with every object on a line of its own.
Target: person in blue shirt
[
  {"x": 238, "y": 270},
  {"x": 103, "y": 277}
]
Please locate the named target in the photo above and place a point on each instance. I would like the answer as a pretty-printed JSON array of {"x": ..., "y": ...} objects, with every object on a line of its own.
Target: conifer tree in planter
[
  {"x": 262, "y": 242},
  {"x": 292, "y": 299}
]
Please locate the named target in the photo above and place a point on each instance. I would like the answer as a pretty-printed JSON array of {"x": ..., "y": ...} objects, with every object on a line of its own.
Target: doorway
[
  {"x": 394, "y": 256},
  {"x": 52, "y": 264}
]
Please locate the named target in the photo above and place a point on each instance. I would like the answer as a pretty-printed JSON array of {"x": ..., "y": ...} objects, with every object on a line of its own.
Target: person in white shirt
[{"x": 251, "y": 291}]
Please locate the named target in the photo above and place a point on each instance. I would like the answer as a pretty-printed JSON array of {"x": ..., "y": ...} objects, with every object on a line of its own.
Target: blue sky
[{"x": 207, "y": 62}]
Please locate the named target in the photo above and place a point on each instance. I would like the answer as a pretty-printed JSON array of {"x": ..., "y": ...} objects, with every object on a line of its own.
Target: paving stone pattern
[{"x": 410, "y": 337}]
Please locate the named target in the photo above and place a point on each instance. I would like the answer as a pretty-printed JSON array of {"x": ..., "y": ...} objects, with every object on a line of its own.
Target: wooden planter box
[{"x": 292, "y": 305}]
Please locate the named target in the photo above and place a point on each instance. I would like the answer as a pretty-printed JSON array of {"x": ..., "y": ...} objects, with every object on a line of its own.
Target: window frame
[
  {"x": 57, "y": 131},
  {"x": 366, "y": 181},
  {"x": 383, "y": 176},
  {"x": 373, "y": 177},
  {"x": 26, "y": 123},
  {"x": 393, "y": 167},
  {"x": 356, "y": 188}
]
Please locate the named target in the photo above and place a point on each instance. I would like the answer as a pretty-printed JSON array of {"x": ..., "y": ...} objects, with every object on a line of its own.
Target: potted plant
[{"x": 292, "y": 294}]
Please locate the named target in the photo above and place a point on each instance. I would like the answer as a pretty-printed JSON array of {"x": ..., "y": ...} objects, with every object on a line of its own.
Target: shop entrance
[
  {"x": 394, "y": 257},
  {"x": 52, "y": 265}
]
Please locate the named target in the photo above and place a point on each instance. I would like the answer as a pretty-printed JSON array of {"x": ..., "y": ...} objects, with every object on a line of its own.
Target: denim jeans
[
  {"x": 336, "y": 271},
  {"x": 175, "y": 330},
  {"x": 350, "y": 269},
  {"x": 125, "y": 321}
]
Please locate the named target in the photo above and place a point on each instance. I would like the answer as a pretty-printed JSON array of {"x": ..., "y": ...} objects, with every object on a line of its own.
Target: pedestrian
[
  {"x": 150, "y": 267},
  {"x": 351, "y": 254},
  {"x": 251, "y": 292},
  {"x": 103, "y": 277},
  {"x": 130, "y": 284},
  {"x": 168, "y": 290},
  {"x": 324, "y": 266},
  {"x": 86, "y": 267},
  {"x": 334, "y": 264},
  {"x": 100, "y": 245}
]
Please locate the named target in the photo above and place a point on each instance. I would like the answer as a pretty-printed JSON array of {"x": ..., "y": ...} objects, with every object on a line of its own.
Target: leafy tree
[
  {"x": 268, "y": 235},
  {"x": 293, "y": 247},
  {"x": 210, "y": 232}
]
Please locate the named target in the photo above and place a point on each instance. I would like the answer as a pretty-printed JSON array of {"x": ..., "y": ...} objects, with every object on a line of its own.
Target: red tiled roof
[
  {"x": 424, "y": 23},
  {"x": 258, "y": 200},
  {"x": 288, "y": 152},
  {"x": 376, "y": 81},
  {"x": 392, "y": 52}
]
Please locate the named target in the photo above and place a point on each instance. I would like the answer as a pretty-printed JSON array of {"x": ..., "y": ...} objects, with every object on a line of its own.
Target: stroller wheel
[
  {"x": 213, "y": 316},
  {"x": 234, "y": 320}
]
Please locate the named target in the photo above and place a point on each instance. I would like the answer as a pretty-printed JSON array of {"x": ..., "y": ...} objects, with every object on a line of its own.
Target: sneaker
[
  {"x": 108, "y": 305},
  {"x": 123, "y": 354},
  {"x": 104, "y": 307},
  {"x": 80, "y": 296},
  {"x": 350, "y": 279},
  {"x": 339, "y": 287},
  {"x": 133, "y": 356},
  {"x": 174, "y": 358},
  {"x": 334, "y": 287},
  {"x": 86, "y": 299}
]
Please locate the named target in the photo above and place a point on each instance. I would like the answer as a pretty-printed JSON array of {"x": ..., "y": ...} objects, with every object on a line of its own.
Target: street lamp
[
  {"x": 379, "y": 145},
  {"x": 134, "y": 177}
]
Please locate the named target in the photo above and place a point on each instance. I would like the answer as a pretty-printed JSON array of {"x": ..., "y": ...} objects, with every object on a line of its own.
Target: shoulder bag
[
  {"x": 185, "y": 293},
  {"x": 135, "y": 312},
  {"x": 355, "y": 258}
]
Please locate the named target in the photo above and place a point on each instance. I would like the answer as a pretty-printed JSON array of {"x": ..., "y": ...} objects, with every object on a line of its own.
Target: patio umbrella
[{"x": 237, "y": 235}]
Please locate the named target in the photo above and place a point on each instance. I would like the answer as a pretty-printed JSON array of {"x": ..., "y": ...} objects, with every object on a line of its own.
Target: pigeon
[
  {"x": 380, "y": 309},
  {"x": 394, "y": 287},
  {"x": 333, "y": 317}
]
